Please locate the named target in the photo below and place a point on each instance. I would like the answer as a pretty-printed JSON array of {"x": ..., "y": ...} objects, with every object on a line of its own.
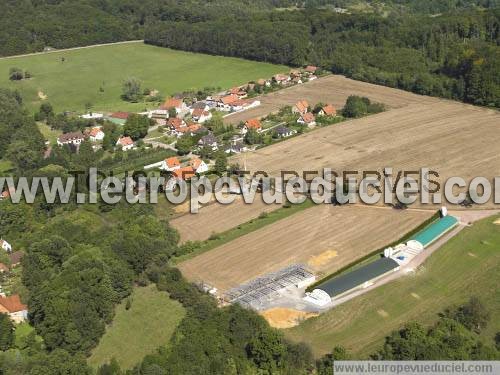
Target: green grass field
[
  {"x": 469, "y": 264},
  {"x": 69, "y": 85},
  {"x": 134, "y": 333}
]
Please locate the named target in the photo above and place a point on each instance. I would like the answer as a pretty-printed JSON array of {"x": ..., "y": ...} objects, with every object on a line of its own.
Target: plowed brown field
[{"x": 336, "y": 235}]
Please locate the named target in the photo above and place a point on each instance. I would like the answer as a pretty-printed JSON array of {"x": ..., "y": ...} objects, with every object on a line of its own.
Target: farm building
[{"x": 393, "y": 259}]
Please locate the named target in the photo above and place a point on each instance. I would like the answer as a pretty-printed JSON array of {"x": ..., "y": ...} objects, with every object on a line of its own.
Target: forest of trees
[{"x": 452, "y": 54}]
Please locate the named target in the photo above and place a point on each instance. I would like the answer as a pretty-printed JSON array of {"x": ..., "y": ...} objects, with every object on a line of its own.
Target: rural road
[{"x": 71, "y": 49}]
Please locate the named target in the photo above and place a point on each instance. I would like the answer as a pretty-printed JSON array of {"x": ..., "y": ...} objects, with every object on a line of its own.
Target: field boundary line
[{"x": 72, "y": 49}]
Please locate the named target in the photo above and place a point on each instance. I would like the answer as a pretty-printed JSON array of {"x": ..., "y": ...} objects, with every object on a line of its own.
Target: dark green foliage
[
  {"x": 16, "y": 74},
  {"x": 184, "y": 144},
  {"x": 448, "y": 339},
  {"x": 6, "y": 332},
  {"x": 252, "y": 137},
  {"x": 137, "y": 126},
  {"x": 131, "y": 90},
  {"x": 357, "y": 106},
  {"x": 220, "y": 163}
]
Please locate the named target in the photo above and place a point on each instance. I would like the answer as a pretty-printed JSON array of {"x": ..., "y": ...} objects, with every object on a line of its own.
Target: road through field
[{"x": 325, "y": 238}]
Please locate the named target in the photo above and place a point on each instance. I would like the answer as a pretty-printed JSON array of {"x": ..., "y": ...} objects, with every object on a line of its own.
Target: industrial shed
[
  {"x": 435, "y": 230},
  {"x": 357, "y": 278}
]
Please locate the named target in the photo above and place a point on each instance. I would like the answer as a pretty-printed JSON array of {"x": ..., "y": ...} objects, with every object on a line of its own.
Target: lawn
[
  {"x": 5, "y": 166},
  {"x": 134, "y": 333},
  {"x": 48, "y": 133},
  {"x": 469, "y": 264},
  {"x": 70, "y": 84}
]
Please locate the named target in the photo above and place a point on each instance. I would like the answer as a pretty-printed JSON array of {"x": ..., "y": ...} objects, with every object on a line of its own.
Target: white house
[
  {"x": 74, "y": 138},
  {"x": 12, "y": 305},
  {"x": 126, "y": 143},
  {"x": 6, "y": 246},
  {"x": 283, "y": 131},
  {"x": 307, "y": 119},
  {"x": 209, "y": 141},
  {"x": 92, "y": 116},
  {"x": 198, "y": 165},
  {"x": 200, "y": 115},
  {"x": 170, "y": 164},
  {"x": 96, "y": 134},
  {"x": 254, "y": 124},
  {"x": 178, "y": 104}
]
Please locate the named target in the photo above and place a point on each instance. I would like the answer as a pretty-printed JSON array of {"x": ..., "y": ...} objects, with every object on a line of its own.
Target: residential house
[
  {"x": 307, "y": 119},
  {"x": 126, "y": 143},
  {"x": 199, "y": 105},
  {"x": 175, "y": 103},
  {"x": 198, "y": 165},
  {"x": 297, "y": 80},
  {"x": 3, "y": 268},
  {"x": 15, "y": 258},
  {"x": 7, "y": 193},
  {"x": 283, "y": 131},
  {"x": 209, "y": 141},
  {"x": 242, "y": 104},
  {"x": 200, "y": 115},
  {"x": 235, "y": 148},
  {"x": 5, "y": 246},
  {"x": 12, "y": 305},
  {"x": 264, "y": 82},
  {"x": 224, "y": 103},
  {"x": 96, "y": 134},
  {"x": 73, "y": 138},
  {"x": 311, "y": 69},
  {"x": 181, "y": 174},
  {"x": 170, "y": 164},
  {"x": 92, "y": 116},
  {"x": 238, "y": 91},
  {"x": 254, "y": 124},
  {"x": 327, "y": 110},
  {"x": 281, "y": 79},
  {"x": 302, "y": 106}
]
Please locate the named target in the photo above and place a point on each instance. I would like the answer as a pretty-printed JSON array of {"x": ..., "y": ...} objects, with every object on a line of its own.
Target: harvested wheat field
[
  {"x": 324, "y": 237},
  {"x": 281, "y": 317},
  {"x": 450, "y": 138},
  {"x": 333, "y": 89},
  {"x": 217, "y": 218}
]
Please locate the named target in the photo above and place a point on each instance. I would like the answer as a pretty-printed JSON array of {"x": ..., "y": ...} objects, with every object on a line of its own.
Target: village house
[
  {"x": 175, "y": 103},
  {"x": 5, "y": 245},
  {"x": 15, "y": 258},
  {"x": 264, "y": 82},
  {"x": 92, "y": 116},
  {"x": 200, "y": 115},
  {"x": 96, "y": 134},
  {"x": 73, "y": 138},
  {"x": 311, "y": 69},
  {"x": 7, "y": 193},
  {"x": 283, "y": 131},
  {"x": 297, "y": 80},
  {"x": 198, "y": 165},
  {"x": 327, "y": 110},
  {"x": 235, "y": 148},
  {"x": 224, "y": 103},
  {"x": 239, "y": 92},
  {"x": 281, "y": 79},
  {"x": 199, "y": 105},
  {"x": 307, "y": 119},
  {"x": 209, "y": 141},
  {"x": 12, "y": 305},
  {"x": 126, "y": 143},
  {"x": 251, "y": 124},
  {"x": 170, "y": 164},
  {"x": 301, "y": 107},
  {"x": 3, "y": 268},
  {"x": 181, "y": 174}
]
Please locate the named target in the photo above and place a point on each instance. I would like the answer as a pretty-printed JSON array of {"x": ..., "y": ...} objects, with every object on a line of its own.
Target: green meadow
[
  {"x": 468, "y": 265},
  {"x": 95, "y": 75},
  {"x": 140, "y": 330}
]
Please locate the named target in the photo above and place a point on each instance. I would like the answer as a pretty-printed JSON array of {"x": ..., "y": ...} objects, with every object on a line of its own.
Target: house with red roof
[
  {"x": 252, "y": 123},
  {"x": 175, "y": 103},
  {"x": 198, "y": 165},
  {"x": 126, "y": 143},
  {"x": 327, "y": 110},
  {"x": 200, "y": 115},
  {"x": 224, "y": 103},
  {"x": 12, "y": 305},
  {"x": 96, "y": 134},
  {"x": 302, "y": 106},
  {"x": 170, "y": 164},
  {"x": 311, "y": 69},
  {"x": 4, "y": 268},
  {"x": 281, "y": 79}
]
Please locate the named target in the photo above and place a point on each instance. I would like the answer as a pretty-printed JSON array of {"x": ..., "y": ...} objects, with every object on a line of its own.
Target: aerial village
[{"x": 194, "y": 129}]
